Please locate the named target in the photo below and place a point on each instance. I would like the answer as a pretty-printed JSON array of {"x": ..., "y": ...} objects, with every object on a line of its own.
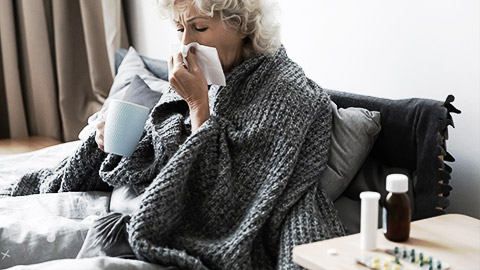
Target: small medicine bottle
[{"x": 396, "y": 210}]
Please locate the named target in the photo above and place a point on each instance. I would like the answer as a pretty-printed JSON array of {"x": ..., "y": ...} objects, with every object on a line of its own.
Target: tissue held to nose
[{"x": 207, "y": 60}]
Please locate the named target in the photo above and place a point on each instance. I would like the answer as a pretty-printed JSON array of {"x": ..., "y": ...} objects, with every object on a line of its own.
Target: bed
[{"x": 412, "y": 141}]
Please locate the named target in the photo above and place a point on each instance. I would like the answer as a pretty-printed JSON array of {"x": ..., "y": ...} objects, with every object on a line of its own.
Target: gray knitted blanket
[{"x": 240, "y": 193}]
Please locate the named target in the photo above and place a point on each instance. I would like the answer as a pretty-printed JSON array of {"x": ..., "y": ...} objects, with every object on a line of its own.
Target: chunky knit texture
[{"x": 239, "y": 193}]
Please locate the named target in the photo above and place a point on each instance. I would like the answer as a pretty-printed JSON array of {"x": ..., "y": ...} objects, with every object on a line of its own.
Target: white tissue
[{"x": 208, "y": 61}]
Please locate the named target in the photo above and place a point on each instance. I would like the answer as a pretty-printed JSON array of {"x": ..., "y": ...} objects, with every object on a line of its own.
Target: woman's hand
[
  {"x": 101, "y": 129},
  {"x": 191, "y": 85}
]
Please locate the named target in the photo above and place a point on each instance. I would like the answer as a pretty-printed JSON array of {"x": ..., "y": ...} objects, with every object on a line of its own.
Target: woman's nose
[{"x": 187, "y": 37}]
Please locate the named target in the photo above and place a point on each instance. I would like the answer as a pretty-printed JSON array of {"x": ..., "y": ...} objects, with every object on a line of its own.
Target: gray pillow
[
  {"x": 354, "y": 131},
  {"x": 137, "y": 92},
  {"x": 132, "y": 65}
]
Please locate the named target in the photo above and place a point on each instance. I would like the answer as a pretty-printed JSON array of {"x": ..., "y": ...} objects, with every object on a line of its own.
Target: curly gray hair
[{"x": 255, "y": 18}]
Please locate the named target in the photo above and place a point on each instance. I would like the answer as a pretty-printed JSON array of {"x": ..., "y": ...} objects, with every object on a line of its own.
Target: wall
[
  {"x": 150, "y": 35},
  {"x": 390, "y": 49}
]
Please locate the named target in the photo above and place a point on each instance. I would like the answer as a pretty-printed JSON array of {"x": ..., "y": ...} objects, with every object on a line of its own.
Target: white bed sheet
[{"x": 12, "y": 167}]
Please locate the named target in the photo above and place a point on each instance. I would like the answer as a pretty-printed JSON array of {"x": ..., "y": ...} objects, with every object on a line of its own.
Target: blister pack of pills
[
  {"x": 419, "y": 259},
  {"x": 378, "y": 263}
]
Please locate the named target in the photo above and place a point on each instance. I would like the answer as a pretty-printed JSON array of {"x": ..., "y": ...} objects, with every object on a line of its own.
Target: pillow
[
  {"x": 354, "y": 131},
  {"x": 138, "y": 92},
  {"x": 131, "y": 67},
  {"x": 45, "y": 227}
]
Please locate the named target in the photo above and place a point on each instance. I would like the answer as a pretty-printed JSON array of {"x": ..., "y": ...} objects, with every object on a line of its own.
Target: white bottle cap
[
  {"x": 370, "y": 195},
  {"x": 397, "y": 183}
]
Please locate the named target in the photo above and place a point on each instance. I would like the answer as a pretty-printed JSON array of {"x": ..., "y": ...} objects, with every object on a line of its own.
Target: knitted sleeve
[{"x": 77, "y": 172}]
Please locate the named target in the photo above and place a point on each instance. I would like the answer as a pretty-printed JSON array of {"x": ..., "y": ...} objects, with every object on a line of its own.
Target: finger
[
  {"x": 170, "y": 65},
  {"x": 98, "y": 134},
  {"x": 178, "y": 60},
  {"x": 192, "y": 59},
  {"x": 101, "y": 145},
  {"x": 104, "y": 113},
  {"x": 100, "y": 125},
  {"x": 99, "y": 140}
]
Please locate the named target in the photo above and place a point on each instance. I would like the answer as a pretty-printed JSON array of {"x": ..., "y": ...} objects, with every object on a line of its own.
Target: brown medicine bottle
[{"x": 396, "y": 210}]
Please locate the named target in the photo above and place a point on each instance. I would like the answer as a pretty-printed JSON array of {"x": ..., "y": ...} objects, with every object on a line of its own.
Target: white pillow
[{"x": 131, "y": 66}]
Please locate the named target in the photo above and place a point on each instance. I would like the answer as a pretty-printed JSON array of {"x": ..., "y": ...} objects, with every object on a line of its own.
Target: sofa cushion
[
  {"x": 138, "y": 92},
  {"x": 354, "y": 131}
]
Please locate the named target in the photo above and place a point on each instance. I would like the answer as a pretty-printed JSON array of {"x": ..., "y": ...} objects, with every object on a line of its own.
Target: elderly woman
[{"x": 228, "y": 175}]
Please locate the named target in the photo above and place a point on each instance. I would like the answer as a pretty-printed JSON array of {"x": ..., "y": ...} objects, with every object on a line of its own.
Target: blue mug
[{"x": 124, "y": 127}]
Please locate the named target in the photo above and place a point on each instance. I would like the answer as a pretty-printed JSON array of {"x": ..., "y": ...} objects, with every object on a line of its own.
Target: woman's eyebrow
[
  {"x": 192, "y": 19},
  {"x": 200, "y": 17}
]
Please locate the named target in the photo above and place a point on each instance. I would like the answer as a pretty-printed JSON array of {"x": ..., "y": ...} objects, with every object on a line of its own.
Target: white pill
[{"x": 332, "y": 251}]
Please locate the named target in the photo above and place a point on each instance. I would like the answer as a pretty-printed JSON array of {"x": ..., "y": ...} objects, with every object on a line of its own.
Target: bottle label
[{"x": 384, "y": 220}]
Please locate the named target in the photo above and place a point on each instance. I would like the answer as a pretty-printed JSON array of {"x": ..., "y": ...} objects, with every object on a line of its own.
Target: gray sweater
[{"x": 239, "y": 193}]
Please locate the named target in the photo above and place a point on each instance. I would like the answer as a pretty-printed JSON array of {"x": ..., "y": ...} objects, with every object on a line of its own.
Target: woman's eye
[
  {"x": 201, "y": 29},
  {"x": 180, "y": 30}
]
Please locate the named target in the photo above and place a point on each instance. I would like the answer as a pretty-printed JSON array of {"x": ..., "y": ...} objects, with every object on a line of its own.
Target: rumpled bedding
[
  {"x": 98, "y": 263},
  {"x": 47, "y": 226},
  {"x": 46, "y": 231}
]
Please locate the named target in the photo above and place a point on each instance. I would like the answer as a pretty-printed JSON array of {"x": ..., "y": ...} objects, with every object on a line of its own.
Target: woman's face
[{"x": 208, "y": 31}]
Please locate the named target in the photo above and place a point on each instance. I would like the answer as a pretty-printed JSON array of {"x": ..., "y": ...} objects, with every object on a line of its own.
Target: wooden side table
[
  {"x": 452, "y": 238},
  {"x": 16, "y": 146}
]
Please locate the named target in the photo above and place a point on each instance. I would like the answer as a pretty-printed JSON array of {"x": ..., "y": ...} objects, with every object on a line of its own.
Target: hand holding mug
[{"x": 100, "y": 129}]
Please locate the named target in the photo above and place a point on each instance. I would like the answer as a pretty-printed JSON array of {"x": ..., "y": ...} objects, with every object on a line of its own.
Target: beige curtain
[{"x": 55, "y": 64}]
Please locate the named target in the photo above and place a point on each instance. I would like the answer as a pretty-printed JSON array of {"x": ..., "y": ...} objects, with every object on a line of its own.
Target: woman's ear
[{"x": 241, "y": 34}]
